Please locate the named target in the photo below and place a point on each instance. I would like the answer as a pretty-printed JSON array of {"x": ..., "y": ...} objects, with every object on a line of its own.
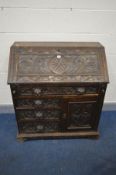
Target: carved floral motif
[
  {"x": 44, "y": 103},
  {"x": 39, "y": 114},
  {"x": 37, "y": 91},
  {"x": 81, "y": 114},
  {"x": 76, "y": 65},
  {"x": 40, "y": 127}
]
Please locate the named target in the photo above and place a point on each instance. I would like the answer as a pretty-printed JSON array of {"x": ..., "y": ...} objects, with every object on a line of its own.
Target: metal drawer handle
[
  {"x": 81, "y": 90},
  {"x": 39, "y": 114},
  {"x": 39, "y": 127},
  {"x": 38, "y": 102},
  {"x": 37, "y": 91}
]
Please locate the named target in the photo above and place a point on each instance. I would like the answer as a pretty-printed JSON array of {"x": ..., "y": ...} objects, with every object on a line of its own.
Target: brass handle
[
  {"x": 39, "y": 127},
  {"x": 81, "y": 90},
  {"x": 38, "y": 102},
  {"x": 38, "y": 114},
  {"x": 37, "y": 91}
]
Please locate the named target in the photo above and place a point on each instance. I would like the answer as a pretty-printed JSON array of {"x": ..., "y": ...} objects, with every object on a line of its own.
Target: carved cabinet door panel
[{"x": 80, "y": 114}]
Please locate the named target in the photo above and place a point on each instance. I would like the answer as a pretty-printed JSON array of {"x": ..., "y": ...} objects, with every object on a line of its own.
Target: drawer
[
  {"x": 31, "y": 115},
  {"x": 38, "y": 103},
  {"x": 39, "y": 127},
  {"x": 53, "y": 90}
]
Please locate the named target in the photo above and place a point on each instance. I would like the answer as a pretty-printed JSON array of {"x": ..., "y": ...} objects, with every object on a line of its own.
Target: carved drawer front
[
  {"x": 53, "y": 90},
  {"x": 38, "y": 103},
  {"x": 39, "y": 114},
  {"x": 81, "y": 114},
  {"x": 39, "y": 127}
]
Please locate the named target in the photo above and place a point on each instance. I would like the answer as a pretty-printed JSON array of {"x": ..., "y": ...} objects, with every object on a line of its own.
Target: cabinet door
[{"x": 81, "y": 114}]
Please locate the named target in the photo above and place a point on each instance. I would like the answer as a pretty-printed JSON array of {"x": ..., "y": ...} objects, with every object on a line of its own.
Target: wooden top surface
[
  {"x": 57, "y": 44},
  {"x": 57, "y": 62}
]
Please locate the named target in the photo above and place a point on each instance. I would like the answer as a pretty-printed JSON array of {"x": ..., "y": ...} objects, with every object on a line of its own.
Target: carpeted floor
[{"x": 58, "y": 157}]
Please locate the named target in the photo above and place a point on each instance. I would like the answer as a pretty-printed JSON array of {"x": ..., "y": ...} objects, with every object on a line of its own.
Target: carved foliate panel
[
  {"x": 80, "y": 114},
  {"x": 27, "y": 128},
  {"x": 40, "y": 127},
  {"x": 38, "y": 90},
  {"x": 52, "y": 126},
  {"x": 39, "y": 114},
  {"x": 58, "y": 64},
  {"x": 42, "y": 103},
  {"x": 82, "y": 63},
  {"x": 58, "y": 67}
]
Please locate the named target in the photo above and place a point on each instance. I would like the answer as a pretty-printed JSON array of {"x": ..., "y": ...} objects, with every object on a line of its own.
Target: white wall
[{"x": 57, "y": 20}]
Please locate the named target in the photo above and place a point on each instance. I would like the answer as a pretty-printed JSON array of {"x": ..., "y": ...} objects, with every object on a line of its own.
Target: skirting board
[{"x": 108, "y": 106}]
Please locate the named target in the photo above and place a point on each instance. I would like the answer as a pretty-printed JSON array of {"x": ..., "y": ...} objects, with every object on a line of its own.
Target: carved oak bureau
[{"x": 57, "y": 88}]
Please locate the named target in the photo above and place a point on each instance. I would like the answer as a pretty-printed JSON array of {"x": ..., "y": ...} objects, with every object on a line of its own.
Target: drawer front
[
  {"x": 53, "y": 90},
  {"x": 38, "y": 103},
  {"x": 39, "y": 127},
  {"x": 40, "y": 115}
]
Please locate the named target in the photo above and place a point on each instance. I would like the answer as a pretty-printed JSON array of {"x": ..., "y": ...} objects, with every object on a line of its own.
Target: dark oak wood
[
  {"x": 79, "y": 134},
  {"x": 57, "y": 88}
]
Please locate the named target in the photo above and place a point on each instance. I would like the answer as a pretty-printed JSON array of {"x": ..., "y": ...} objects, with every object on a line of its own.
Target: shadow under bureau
[{"x": 57, "y": 88}]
